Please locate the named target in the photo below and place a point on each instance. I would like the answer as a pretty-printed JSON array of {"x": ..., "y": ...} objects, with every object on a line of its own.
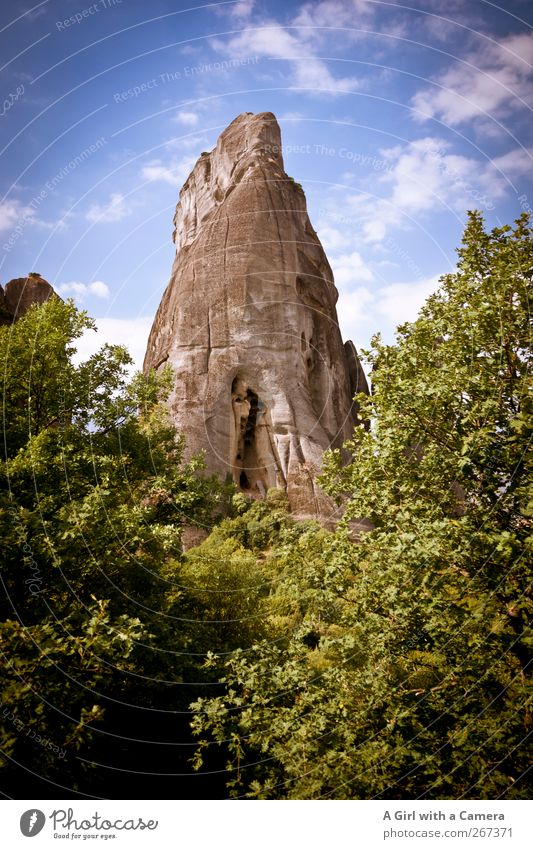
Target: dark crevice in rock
[{"x": 255, "y": 464}]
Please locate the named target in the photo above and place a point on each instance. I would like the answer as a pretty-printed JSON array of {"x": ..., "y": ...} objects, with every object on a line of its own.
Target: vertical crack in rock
[
  {"x": 255, "y": 464},
  {"x": 263, "y": 381}
]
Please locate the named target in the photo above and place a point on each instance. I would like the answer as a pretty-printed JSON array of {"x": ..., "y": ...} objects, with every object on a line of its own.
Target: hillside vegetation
[{"x": 276, "y": 659}]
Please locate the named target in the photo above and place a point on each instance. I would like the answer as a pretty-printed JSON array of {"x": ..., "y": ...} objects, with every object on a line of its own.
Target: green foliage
[
  {"x": 293, "y": 181},
  {"x": 221, "y": 589},
  {"x": 93, "y": 497},
  {"x": 396, "y": 666},
  {"x": 386, "y": 664},
  {"x": 50, "y": 691}
]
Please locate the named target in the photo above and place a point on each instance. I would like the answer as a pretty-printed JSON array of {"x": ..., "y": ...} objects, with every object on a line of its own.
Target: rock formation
[
  {"x": 263, "y": 382},
  {"x": 20, "y": 294}
]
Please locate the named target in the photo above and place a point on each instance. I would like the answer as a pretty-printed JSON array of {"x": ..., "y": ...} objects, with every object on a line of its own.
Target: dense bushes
[
  {"x": 404, "y": 671},
  {"x": 395, "y": 666}
]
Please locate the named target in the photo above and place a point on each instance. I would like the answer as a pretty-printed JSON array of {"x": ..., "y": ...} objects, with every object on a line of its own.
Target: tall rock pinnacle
[{"x": 263, "y": 382}]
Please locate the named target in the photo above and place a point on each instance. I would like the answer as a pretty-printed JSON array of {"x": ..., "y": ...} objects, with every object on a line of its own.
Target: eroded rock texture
[
  {"x": 263, "y": 382},
  {"x": 17, "y": 296}
]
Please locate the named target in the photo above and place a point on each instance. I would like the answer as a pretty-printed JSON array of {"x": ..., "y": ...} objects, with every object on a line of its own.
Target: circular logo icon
[{"x": 32, "y": 822}]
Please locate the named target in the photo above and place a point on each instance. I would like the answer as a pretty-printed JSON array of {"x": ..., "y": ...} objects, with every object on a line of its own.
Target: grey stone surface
[{"x": 263, "y": 381}]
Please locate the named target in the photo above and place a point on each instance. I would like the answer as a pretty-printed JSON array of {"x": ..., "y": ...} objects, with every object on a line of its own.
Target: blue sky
[{"x": 395, "y": 118}]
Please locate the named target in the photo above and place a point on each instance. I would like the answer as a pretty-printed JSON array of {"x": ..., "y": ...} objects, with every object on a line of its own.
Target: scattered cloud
[
  {"x": 100, "y": 289},
  {"x": 401, "y": 302},
  {"x": 421, "y": 177},
  {"x": 131, "y": 332},
  {"x": 81, "y": 290},
  {"x": 16, "y": 216},
  {"x": 114, "y": 210},
  {"x": 292, "y": 116},
  {"x": 189, "y": 119},
  {"x": 489, "y": 83},
  {"x": 273, "y": 41},
  {"x": 350, "y": 269},
  {"x": 12, "y": 213},
  {"x": 333, "y": 238},
  {"x": 187, "y": 142},
  {"x": 35, "y": 13},
  {"x": 174, "y": 173},
  {"x": 362, "y": 310},
  {"x": 242, "y": 9},
  {"x": 450, "y": 28},
  {"x": 306, "y": 32},
  {"x": 514, "y": 163},
  {"x": 312, "y": 17},
  {"x": 424, "y": 174},
  {"x": 239, "y": 10},
  {"x": 353, "y": 309}
]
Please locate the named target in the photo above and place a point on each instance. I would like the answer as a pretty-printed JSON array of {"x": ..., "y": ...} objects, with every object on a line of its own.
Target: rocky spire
[{"x": 263, "y": 382}]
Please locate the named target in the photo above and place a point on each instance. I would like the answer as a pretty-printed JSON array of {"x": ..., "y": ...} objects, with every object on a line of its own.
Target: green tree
[
  {"x": 93, "y": 498},
  {"x": 404, "y": 673}
]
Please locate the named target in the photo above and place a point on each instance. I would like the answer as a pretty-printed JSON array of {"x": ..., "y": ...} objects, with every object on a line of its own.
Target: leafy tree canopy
[
  {"x": 397, "y": 665},
  {"x": 93, "y": 497},
  {"x": 391, "y": 663}
]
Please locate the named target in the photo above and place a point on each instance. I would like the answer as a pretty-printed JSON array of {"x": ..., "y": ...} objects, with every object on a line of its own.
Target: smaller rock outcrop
[{"x": 17, "y": 296}]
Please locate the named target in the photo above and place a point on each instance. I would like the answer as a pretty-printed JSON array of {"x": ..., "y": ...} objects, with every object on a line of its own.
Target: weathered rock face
[
  {"x": 263, "y": 382},
  {"x": 20, "y": 294}
]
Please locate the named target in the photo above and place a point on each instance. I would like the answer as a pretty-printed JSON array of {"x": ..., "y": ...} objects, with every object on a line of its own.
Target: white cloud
[
  {"x": 333, "y": 13},
  {"x": 241, "y": 9},
  {"x": 514, "y": 163},
  {"x": 354, "y": 310},
  {"x": 313, "y": 26},
  {"x": 12, "y": 212},
  {"x": 401, "y": 302},
  {"x": 489, "y": 85},
  {"x": 15, "y": 217},
  {"x": 423, "y": 177},
  {"x": 80, "y": 290},
  {"x": 333, "y": 238},
  {"x": 273, "y": 41},
  {"x": 100, "y": 289},
  {"x": 190, "y": 119},
  {"x": 114, "y": 210},
  {"x": 175, "y": 173},
  {"x": 450, "y": 28},
  {"x": 133, "y": 333},
  {"x": 187, "y": 142},
  {"x": 379, "y": 217},
  {"x": 295, "y": 117},
  {"x": 426, "y": 175},
  {"x": 350, "y": 269},
  {"x": 363, "y": 310}
]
